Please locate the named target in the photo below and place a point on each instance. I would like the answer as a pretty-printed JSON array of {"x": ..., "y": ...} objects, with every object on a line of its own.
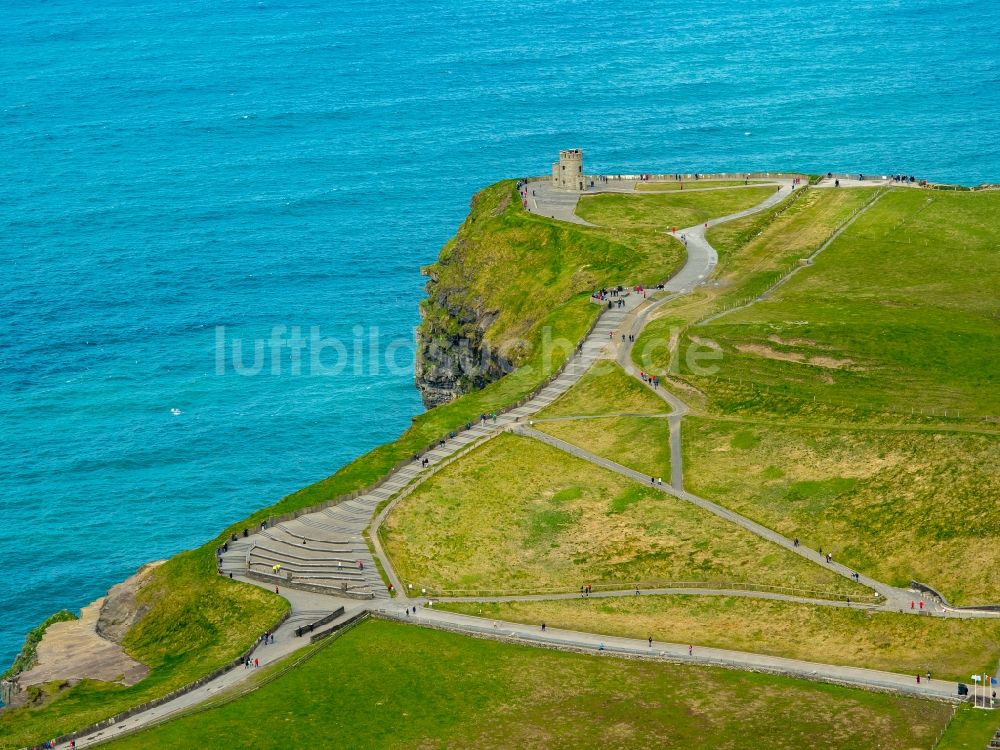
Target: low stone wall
[
  {"x": 313, "y": 587},
  {"x": 302, "y": 630},
  {"x": 940, "y": 597}
]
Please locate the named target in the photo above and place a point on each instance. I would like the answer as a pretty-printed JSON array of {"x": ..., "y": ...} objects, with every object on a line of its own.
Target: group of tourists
[
  {"x": 605, "y": 294},
  {"x": 653, "y": 380}
]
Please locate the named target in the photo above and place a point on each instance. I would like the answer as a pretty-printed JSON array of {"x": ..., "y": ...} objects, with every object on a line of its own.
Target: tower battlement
[{"x": 567, "y": 173}]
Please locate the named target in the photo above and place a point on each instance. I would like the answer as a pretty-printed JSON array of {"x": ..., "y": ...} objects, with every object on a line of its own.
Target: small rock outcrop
[
  {"x": 121, "y": 610},
  {"x": 452, "y": 356}
]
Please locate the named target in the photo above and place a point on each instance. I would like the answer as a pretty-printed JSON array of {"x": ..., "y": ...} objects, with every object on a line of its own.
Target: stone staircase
[{"x": 321, "y": 551}]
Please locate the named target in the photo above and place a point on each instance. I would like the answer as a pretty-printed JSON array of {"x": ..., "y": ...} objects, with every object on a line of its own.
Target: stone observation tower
[{"x": 567, "y": 173}]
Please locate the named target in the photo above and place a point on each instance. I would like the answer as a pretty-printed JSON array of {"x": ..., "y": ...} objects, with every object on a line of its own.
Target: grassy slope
[
  {"x": 970, "y": 729},
  {"x": 900, "y": 311},
  {"x": 605, "y": 389},
  {"x": 772, "y": 247},
  {"x": 198, "y": 621},
  {"x": 521, "y": 266},
  {"x": 753, "y": 253},
  {"x": 516, "y": 514},
  {"x": 893, "y": 504},
  {"x": 640, "y": 443},
  {"x": 687, "y": 184},
  {"x": 658, "y": 213},
  {"x": 950, "y": 649},
  {"x": 392, "y": 686},
  {"x": 897, "y": 505}
]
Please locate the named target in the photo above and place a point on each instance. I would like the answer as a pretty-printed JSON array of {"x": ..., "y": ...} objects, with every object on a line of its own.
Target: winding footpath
[{"x": 321, "y": 561}]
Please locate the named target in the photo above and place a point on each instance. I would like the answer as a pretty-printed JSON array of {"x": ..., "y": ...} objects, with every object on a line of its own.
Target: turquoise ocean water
[{"x": 172, "y": 167}]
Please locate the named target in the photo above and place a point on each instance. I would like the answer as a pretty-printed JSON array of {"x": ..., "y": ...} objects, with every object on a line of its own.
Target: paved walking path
[
  {"x": 893, "y": 596},
  {"x": 677, "y": 652},
  {"x": 545, "y": 200},
  {"x": 323, "y": 549},
  {"x": 749, "y": 592},
  {"x": 306, "y": 608}
]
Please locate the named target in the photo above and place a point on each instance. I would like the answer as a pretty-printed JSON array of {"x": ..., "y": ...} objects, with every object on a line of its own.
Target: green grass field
[
  {"x": 898, "y": 505},
  {"x": 950, "y": 649},
  {"x": 605, "y": 389},
  {"x": 658, "y": 213},
  {"x": 689, "y": 185},
  {"x": 970, "y": 729},
  {"x": 518, "y": 515},
  {"x": 899, "y": 312},
  {"x": 754, "y": 252},
  {"x": 640, "y": 443},
  {"x": 386, "y": 685}
]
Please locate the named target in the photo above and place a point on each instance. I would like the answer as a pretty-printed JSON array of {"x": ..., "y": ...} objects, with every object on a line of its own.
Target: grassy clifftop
[{"x": 504, "y": 272}]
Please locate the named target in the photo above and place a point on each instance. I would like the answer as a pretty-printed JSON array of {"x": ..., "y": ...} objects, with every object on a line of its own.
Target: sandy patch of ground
[
  {"x": 831, "y": 363},
  {"x": 74, "y": 651},
  {"x": 706, "y": 343},
  {"x": 791, "y": 342}
]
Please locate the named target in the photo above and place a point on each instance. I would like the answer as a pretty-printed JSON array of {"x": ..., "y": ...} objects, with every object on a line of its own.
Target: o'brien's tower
[{"x": 567, "y": 173}]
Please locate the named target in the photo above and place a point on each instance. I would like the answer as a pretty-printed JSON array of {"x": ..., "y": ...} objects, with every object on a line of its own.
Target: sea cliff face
[
  {"x": 455, "y": 354},
  {"x": 452, "y": 357}
]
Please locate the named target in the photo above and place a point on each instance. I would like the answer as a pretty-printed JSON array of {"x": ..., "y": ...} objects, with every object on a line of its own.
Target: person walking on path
[
  {"x": 543, "y": 627},
  {"x": 650, "y": 639},
  {"x": 690, "y": 650}
]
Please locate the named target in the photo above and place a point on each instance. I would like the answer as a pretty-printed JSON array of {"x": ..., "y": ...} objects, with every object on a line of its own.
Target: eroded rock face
[
  {"x": 120, "y": 610},
  {"x": 452, "y": 358}
]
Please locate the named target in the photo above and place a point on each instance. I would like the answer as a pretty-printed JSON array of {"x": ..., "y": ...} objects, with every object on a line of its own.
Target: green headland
[{"x": 765, "y": 461}]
